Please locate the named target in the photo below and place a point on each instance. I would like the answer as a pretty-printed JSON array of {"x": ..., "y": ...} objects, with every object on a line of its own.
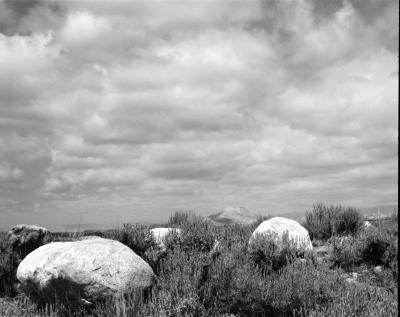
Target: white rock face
[
  {"x": 160, "y": 234},
  {"x": 86, "y": 270},
  {"x": 278, "y": 226}
]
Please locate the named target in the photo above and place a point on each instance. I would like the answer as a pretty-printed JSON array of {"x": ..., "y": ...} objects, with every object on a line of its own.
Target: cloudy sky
[{"x": 114, "y": 111}]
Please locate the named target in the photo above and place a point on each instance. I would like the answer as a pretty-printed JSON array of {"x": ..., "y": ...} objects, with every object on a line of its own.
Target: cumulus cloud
[{"x": 109, "y": 108}]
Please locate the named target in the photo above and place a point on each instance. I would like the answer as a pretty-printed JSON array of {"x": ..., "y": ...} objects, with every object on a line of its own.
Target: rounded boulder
[
  {"x": 83, "y": 271},
  {"x": 278, "y": 227}
]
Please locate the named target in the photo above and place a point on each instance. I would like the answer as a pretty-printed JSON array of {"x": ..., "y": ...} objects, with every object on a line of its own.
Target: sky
[{"x": 117, "y": 111}]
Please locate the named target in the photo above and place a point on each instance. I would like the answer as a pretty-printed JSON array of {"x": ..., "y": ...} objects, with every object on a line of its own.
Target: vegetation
[
  {"x": 8, "y": 267},
  {"x": 377, "y": 246},
  {"x": 268, "y": 256},
  {"x": 261, "y": 279},
  {"x": 324, "y": 221}
]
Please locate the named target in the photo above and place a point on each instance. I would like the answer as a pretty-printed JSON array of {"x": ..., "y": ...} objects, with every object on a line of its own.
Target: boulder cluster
[{"x": 93, "y": 268}]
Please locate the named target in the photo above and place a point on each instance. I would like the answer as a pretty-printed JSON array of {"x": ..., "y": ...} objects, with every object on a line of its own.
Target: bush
[
  {"x": 325, "y": 221},
  {"x": 179, "y": 218},
  {"x": 8, "y": 269},
  {"x": 172, "y": 240},
  {"x": 137, "y": 237},
  {"x": 378, "y": 248},
  {"x": 269, "y": 256},
  {"x": 371, "y": 247},
  {"x": 197, "y": 232},
  {"x": 179, "y": 278},
  {"x": 348, "y": 221},
  {"x": 236, "y": 286},
  {"x": 359, "y": 301},
  {"x": 346, "y": 252},
  {"x": 234, "y": 234}
]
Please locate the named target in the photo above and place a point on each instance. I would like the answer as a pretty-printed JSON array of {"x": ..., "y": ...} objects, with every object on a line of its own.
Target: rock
[
  {"x": 378, "y": 269},
  {"x": 83, "y": 271},
  {"x": 367, "y": 225},
  {"x": 231, "y": 215},
  {"x": 216, "y": 247},
  {"x": 352, "y": 279},
  {"x": 26, "y": 238},
  {"x": 276, "y": 227},
  {"x": 161, "y": 233}
]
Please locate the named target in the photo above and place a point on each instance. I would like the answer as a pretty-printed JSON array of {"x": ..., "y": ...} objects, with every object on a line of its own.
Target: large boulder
[
  {"x": 232, "y": 215},
  {"x": 24, "y": 239},
  {"x": 277, "y": 227},
  {"x": 161, "y": 233},
  {"x": 83, "y": 271}
]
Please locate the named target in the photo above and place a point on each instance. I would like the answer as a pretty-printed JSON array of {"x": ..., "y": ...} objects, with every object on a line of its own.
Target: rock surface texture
[
  {"x": 83, "y": 271},
  {"x": 160, "y": 234},
  {"x": 276, "y": 227},
  {"x": 26, "y": 238}
]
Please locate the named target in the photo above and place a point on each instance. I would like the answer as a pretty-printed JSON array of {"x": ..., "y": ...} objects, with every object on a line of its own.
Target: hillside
[{"x": 230, "y": 215}]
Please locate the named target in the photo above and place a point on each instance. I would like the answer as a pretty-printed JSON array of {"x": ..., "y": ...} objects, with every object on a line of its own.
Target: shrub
[
  {"x": 325, "y": 221},
  {"x": 188, "y": 307},
  {"x": 234, "y": 234},
  {"x": 371, "y": 247},
  {"x": 179, "y": 218},
  {"x": 236, "y": 286},
  {"x": 269, "y": 256},
  {"x": 137, "y": 237},
  {"x": 197, "y": 232},
  {"x": 304, "y": 286},
  {"x": 348, "y": 221},
  {"x": 378, "y": 248},
  {"x": 346, "y": 252},
  {"x": 8, "y": 269},
  {"x": 359, "y": 301},
  {"x": 172, "y": 240},
  {"x": 179, "y": 278}
]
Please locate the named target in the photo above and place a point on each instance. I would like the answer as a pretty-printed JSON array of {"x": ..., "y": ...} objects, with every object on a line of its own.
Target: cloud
[
  {"x": 109, "y": 107},
  {"x": 82, "y": 28}
]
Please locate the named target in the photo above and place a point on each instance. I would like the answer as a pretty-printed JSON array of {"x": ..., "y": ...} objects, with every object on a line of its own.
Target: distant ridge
[
  {"x": 231, "y": 215},
  {"x": 384, "y": 211}
]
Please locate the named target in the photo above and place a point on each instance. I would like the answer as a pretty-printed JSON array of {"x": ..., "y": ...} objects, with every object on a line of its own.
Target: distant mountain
[{"x": 230, "y": 215}]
